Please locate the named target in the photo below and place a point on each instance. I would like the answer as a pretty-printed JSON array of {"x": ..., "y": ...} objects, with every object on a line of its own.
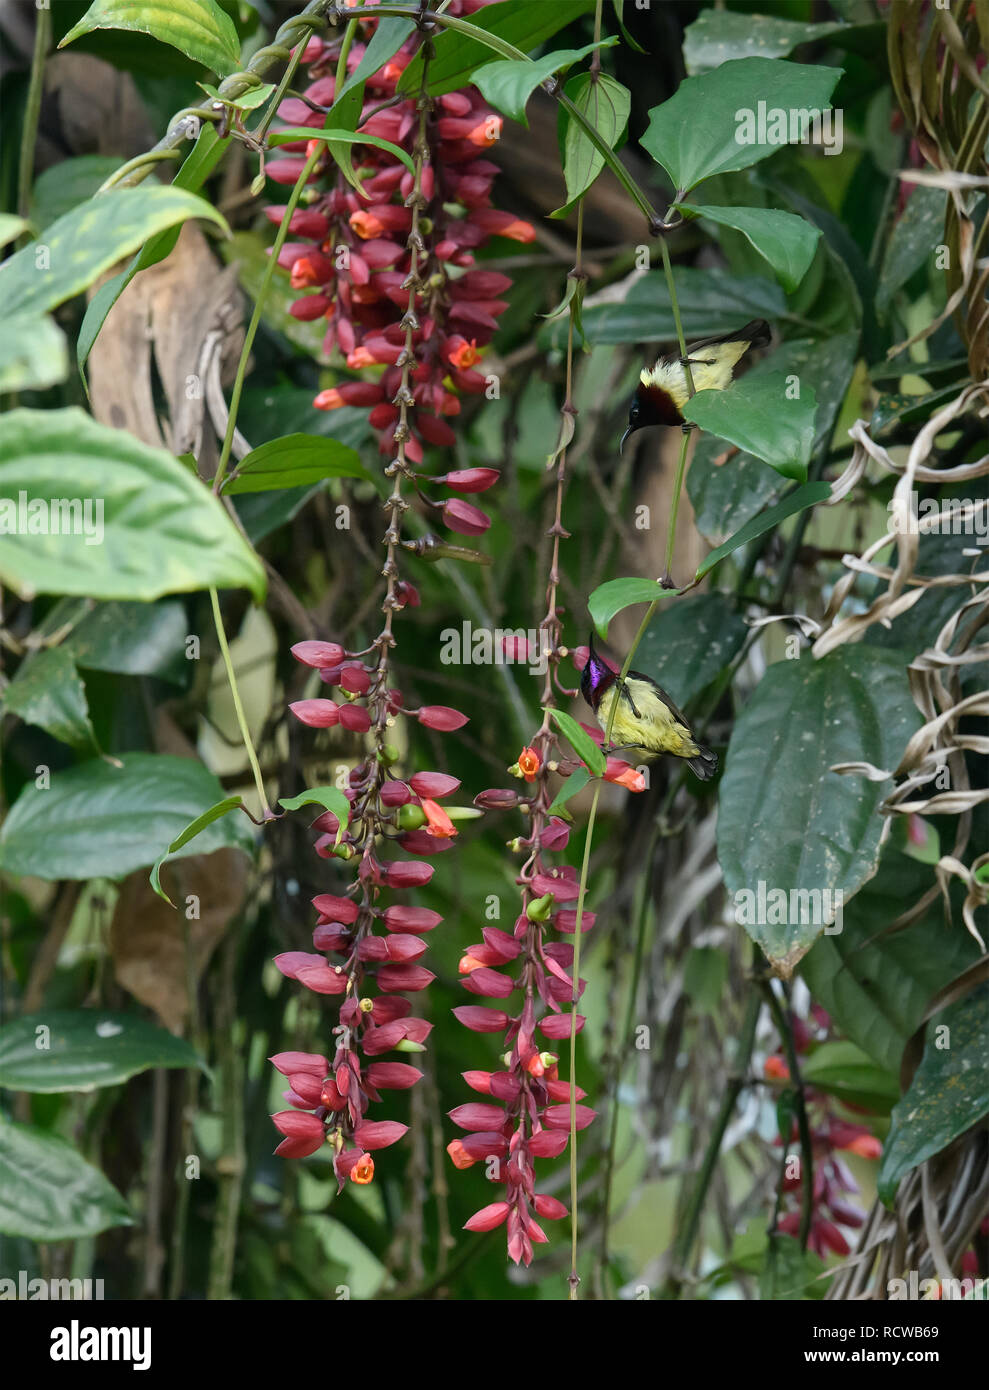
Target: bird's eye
[{"x": 633, "y": 414}]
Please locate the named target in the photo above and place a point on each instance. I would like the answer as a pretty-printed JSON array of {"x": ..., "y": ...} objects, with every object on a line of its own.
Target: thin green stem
[
  {"x": 245, "y": 732},
  {"x": 671, "y": 534},
  {"x": 32, "y": 108}
]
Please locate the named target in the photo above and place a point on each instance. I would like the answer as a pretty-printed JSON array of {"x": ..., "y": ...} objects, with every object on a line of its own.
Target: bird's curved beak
[{"x": 630, "y": 430}]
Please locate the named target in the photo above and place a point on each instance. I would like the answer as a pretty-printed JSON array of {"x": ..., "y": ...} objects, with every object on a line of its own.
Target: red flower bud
[
  {"x": 497, "y": 799},
  {"x": 441, "y": 717},
  {"x": 464, "y": 517},
  {"x": 488, "y": 1217},
  {"x": 480, "y": 1020},
  {"x": 433, "y": 784},
  {"x": 379, "y": 1134},
  {"x": 288, "y": 1063},
  {"x": 337, "y": 909},
  {"x": 318, "y": 714},
  {"x": 470, "y": 479},
  {"x": 355, "y": 718},
  {"x": 411, "y": 919},
  {"x": 318, "y": 653},
  {"x": 393, "y": 1076}
]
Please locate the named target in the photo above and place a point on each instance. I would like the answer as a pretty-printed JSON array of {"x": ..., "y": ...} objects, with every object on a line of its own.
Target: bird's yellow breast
[
  {"x": 653, "y": 728},
  {"x": 711, "y": 368}
]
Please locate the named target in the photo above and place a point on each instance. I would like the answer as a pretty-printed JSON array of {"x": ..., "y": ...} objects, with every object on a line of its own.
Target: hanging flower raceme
[
  {"x": 349, "y": 254},
  {"x": 366, "y": 953},
  {"x": 833, "y": 1182}
]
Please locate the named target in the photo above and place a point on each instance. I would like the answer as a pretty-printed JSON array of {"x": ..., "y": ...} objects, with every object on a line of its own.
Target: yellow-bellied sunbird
[
  {"x": 662, "y": 391},
  {"x": 646, "y": 717}
]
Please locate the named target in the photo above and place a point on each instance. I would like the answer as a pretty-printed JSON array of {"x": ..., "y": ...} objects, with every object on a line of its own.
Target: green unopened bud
[
  {"x": 257, "y": 186},
  {"x": 548, "y": 1059},
  {"x": 343, "y": 851},
  {"x": 514, "y": 845},
  {"x": 515, "y": 771},
  {"x": 540, "y": 908},
  {"x": 366, "y": 1005},
  {"x": 388, "y": 754},
  {"x": 407, "y": 1045},
  {"x": 463, "y": 812},
  {"x": 411, "y": 817},
  {"x": 506, "y": 1059}
]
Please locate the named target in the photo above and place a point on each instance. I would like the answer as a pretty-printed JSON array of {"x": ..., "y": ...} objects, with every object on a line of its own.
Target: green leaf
[
  {"x": 330, "y": 798},
  {"x": 614, "y": 595},
  {"x": 48, "y": 693},
  {"x": 198, "y": 28},
  {"x": 949, "y": 1092},
  {"x": 788, "y": 1272},
  {"x": 49, "y": 1192},
  {"x": 339, "y": 137},
  {"x": 215, "y": 813},
  {"x": 916, "y": 235},
  {"x": 247, "y": 101},
  {"x": 389, "y": 35},
  {"x": 133, "y": 639},
  {"x": 11, "y": 227},
  {"x": 150, "y": 527},
  {"x": 80, "y": 246},
  {"x": 893, "y": 410},
  {"x": 728, "y": 495},
  {"x": 458, "y": 52},
  {"x": 844, "y": 1070},
  {"x": 711, "y": 301},
  {"x": 758, "y": 416},
  {"x": 296, "y": 460},
  {"x": 99, "y": 821},
  {"x": 605, "y": 104},
  {"x": 700, "y": 130},
  {"x": 33, "y": 353},
  {"x": 68, "y": 183},
  {"x": 83, "y": 1049},
  {"x": 690, "y": 643},
  {"x": 786, "y": 241},
  {"x": 716, "y": 36},
  {"x": 581, "y": 742},
  {"x": 198, "y": 165},
  {"x": 572, "y": 785},
  {"x": 509, "y": 83},
  {"x": 807, "y": 496},
  {"x": 788, "y": 826},
  {"x": 876, "y": 985}
]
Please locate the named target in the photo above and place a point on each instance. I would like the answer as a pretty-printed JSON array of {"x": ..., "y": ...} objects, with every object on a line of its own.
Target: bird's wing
[
  {"x": 661, "y": 693},
  {"x": 755, "y": 332}
]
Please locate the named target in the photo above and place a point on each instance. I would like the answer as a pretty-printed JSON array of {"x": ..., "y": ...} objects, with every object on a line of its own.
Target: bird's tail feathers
[{"x": 704, "y": 763}]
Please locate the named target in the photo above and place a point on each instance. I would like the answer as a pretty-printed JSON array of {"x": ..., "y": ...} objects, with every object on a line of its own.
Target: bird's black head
[
  {"x": 636, "y": 419},
  {"x": 595, "y": 678}
]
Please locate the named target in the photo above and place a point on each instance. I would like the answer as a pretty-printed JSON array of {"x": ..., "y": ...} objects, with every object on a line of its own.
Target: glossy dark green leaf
[
  {"x": 842, "y": 1069},
  {"x": 787, "y": 242},
  {"x": 83, "y": 1049},
  {"x": 727, "y": 495},
  {"x": 689, "y": 643},
  {"x": 507, "y": 84},
  {"x": 605, "y": 103},
  {"x": 949, "y": 1092},
  {"x": 710, "y": 125},
  {"x": 129, "y": 520},
  {"x": 456, "y": 55},
  {"x": 80, "y": 246},
  {"x": 875, "y": 984},
  {"x": 786, "y": 822},
  {"x": 200, "y": 29},
  {"x": 48, "y": 692},
  {"x": 133, "y": 639},
  {"x": 797, "y": 501},
  {"x": 759, "y": 415},
  {"x": 295, "y": 460},
  {"x": 915, "y": 237},
  {"x": 344, "y": 138},
  {"x": 49, "y": 1192},
  {"x": 717, "y": 36},
  {"x": 96, "y": 820},
  {"x": 711, "y": 301}
]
